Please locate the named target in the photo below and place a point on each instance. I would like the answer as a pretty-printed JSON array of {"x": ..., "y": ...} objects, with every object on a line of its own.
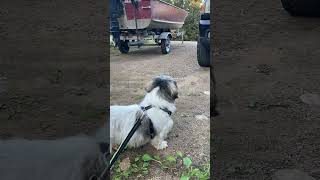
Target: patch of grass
[
  {"x": 178, "y": 164},
  {"x": 114, "y": 51},
  {"x": 138, "y": 97}
]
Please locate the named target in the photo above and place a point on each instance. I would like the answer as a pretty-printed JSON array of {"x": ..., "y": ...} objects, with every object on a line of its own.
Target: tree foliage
[{"x": 192, "y": 21}]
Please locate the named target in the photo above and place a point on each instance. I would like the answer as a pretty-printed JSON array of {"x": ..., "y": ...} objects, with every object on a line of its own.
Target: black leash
[
  {"x": 116, "y": 155},
  {"x": 121, "y": 148}
]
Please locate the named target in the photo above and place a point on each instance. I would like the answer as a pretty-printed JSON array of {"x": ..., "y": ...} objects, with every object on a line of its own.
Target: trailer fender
[{"x": 165, "y": 35}]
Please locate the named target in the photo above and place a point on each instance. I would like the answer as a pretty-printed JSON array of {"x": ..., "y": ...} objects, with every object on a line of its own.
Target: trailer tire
[
  {"x": 166, "y": 45},
  {"x": 302, "y": 7},
  {"x": 203, "y": 54},
  {"x": 124, "y": 47}
]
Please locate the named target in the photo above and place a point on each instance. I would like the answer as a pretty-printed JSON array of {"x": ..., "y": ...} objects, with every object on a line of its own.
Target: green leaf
[
  {"x": 146, "y": 157},
  {"x": 157, "y": 157},
  {"x": 179, "y": 154},
  {"x": 137, "y": 159},
  {"x": 126, "y": 174},
  {"x": 196, "y": 172},
  {"x": 203, "y": 177},
  {"x": 145, "y": 172},
  {"x": 187, "y": 162},
  {"x": 118, "y": 170},
  {"x": 135, "y": 170},
  {"x": 134, "y": 165},
  {"x": 145, "y": 164},
  {"x": 171, "y": 159},
  {"x": 184, "y": 178}
]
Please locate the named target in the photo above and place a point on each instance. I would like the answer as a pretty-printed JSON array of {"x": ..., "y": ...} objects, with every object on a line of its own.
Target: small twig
[{"x": 157, "y": 161}]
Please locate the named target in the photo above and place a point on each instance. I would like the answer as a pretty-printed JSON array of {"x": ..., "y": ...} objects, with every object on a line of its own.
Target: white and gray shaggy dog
[{"x": 155, "y": 110}]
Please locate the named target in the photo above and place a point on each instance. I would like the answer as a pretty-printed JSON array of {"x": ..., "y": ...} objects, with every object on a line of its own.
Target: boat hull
[{"x": 152, "y": 14}]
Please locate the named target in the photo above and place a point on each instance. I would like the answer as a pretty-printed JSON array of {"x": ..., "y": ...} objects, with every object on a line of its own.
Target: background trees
[{"x": 191, "y": 24}]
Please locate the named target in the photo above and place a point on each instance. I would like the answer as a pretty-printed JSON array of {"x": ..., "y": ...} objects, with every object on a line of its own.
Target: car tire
[
  {"x": 205, "y": 16},
  {"x": 166, "y": 45},
  {"x": 302, "y": 7},
  {"x": 124, "y": 47},
  {"x": 203, "y": 54}
]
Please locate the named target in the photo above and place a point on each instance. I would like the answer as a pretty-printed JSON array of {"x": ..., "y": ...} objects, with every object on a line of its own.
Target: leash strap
[{"x": 120, "y": 149}]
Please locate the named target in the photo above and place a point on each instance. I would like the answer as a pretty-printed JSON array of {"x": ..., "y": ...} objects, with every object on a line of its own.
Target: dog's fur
[{"x": 156, "y": 124}]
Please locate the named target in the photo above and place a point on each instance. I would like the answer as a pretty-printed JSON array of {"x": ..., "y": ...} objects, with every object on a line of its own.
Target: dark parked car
[
  {"x": 302, "y": 7},
  {"x": 203, "y": 46}
]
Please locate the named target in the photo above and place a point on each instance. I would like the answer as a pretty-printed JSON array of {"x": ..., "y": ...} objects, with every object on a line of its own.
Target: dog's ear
[{"x": 150, "y": 86}]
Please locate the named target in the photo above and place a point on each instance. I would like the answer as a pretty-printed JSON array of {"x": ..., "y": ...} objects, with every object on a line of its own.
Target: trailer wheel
[
  {"x": 165, "y": 45},
  {"x": 302, "y": 7},
  {"x": 124, "y": 47},
  {"x": 203, "y": 54}
]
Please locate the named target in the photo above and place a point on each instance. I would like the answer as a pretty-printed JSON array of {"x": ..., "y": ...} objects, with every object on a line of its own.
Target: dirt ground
[
  {"x": 129, "y": 76},
  {"x": 53, "y": 72},
  {"x": 264, "y": 61}
]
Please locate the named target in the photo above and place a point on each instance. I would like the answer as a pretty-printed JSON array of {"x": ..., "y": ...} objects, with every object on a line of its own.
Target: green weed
[{"x": 179, "y": 164}]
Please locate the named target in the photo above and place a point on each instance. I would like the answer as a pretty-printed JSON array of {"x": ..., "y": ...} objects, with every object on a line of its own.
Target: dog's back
[
  {"x": 120, "y": 117},
  {"x": 123, "y": 118}
]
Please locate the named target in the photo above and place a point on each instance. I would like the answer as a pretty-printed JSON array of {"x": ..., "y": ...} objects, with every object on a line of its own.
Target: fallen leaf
[{"x": 125, "y": 164}]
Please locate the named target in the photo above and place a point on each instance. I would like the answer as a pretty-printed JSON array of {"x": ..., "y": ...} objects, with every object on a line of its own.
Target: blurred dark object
[
  {"x": 72, "y": 158},
  {"x": 302, "y": 7},
  {"x": 213, "y": 97}
]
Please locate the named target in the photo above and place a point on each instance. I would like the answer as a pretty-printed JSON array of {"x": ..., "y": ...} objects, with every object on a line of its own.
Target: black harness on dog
[
  {"x": 104, "y": 147},
  {"x": 150, "y": 106}
]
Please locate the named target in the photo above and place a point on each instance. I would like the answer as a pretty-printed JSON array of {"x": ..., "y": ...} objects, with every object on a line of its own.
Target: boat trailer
[{"x": 136, "y": 22}]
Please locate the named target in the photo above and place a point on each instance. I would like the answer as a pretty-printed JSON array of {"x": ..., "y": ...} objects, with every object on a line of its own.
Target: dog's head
[{"x": 168, "y": 88}]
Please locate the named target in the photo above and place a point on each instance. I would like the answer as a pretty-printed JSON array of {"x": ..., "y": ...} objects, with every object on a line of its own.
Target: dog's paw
[{"x": 163, "y": 145}]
